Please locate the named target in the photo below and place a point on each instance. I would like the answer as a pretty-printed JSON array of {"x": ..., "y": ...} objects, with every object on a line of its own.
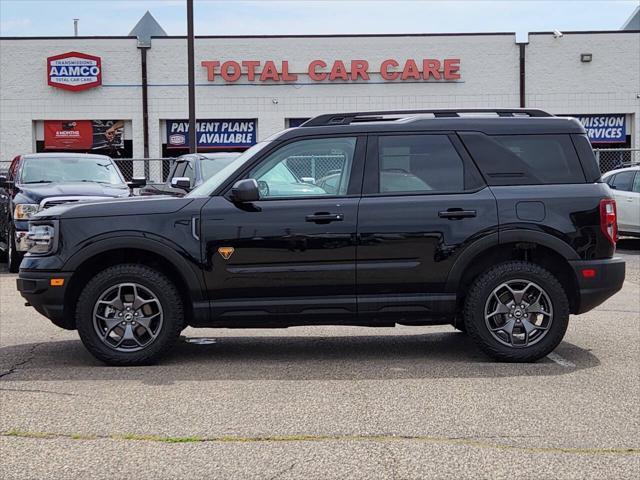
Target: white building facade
[{"x": 248, "y": 88}]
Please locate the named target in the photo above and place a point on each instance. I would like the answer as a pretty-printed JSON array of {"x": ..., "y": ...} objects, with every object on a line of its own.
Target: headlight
[
  {"x": 41, "y": 239},
  {"x": 23, "y": 211}
]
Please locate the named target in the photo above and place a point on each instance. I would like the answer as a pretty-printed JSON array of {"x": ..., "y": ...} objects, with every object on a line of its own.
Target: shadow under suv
[{"x": 495, "y": 222}]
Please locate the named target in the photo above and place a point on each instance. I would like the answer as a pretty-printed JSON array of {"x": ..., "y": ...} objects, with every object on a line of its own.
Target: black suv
[
  {"x": 189, "y": 171},
  {"x": 496, "y": 222},
  {"x": 38, "y": 181}
]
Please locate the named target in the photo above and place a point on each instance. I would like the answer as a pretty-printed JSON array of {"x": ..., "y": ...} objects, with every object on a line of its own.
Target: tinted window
[
  {"x": 419, "y": 163},
  {"x": 307, "y": 168},
  {"x": 525, "y": 159},
  {"x": 623, "y": 181},
  {"x": 551, "y": 157},
  {"x": 636, "y": 183}
]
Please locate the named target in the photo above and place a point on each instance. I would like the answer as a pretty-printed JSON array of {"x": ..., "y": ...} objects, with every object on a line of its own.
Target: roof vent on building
[{"x": 146, "y": 28}]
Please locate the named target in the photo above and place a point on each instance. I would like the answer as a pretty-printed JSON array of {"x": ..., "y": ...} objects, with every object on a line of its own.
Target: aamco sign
[{"x": 74, "y": 71}]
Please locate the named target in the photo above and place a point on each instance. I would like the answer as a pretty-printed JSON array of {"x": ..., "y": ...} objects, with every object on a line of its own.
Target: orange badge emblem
[{"x": 226, "y": 252}]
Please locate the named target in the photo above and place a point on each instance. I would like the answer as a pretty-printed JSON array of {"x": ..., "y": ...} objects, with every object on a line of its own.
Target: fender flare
[
  {"x": 472, "y": 251},
  {"x": 171, "y": 253}
]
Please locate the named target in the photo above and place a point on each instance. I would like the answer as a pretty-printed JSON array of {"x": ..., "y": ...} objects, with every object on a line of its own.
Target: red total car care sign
[
  {"x": 74, "y": 71},
  {"x": 389, "y": 70}
]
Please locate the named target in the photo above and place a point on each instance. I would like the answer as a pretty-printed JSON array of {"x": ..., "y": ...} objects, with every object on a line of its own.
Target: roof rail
[{"x": 348, "y": 118}]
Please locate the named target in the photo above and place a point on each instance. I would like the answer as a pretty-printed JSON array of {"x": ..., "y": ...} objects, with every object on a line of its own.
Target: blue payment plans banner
[
  {"x": 609, "y": 128},
  {"x": 213, "y": 133}
]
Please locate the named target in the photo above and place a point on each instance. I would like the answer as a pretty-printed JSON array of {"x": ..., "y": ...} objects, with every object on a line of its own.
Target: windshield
[
  {"x": 211, "y": 166},
  {"x": 208, "y": 187},
  {"x": 69, "y": 169}
]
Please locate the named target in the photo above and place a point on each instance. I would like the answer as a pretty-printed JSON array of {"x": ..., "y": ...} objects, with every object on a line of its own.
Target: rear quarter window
[{"x": 525, "y": 159}]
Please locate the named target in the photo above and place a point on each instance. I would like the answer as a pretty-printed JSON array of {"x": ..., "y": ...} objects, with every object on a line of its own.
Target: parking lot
[{"x": 324, "y": 402}]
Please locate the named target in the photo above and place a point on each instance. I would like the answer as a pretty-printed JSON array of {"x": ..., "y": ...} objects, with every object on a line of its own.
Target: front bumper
[
  {"x": 597, "y": 281},
  {"x": 36, "y": 289}
]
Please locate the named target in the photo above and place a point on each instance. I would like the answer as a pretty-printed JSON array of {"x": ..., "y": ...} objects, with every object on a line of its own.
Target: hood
[
  {"x": 36, "y": 192},
  {"x": 152, "y": 205}
]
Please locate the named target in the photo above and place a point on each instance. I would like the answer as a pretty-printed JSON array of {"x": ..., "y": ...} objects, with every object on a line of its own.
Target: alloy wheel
[
  {"x": 518, "y": 313},
  {"x": 127, "y": 317}
]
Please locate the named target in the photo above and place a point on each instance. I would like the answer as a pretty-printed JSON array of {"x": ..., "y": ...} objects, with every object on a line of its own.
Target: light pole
[{"x": 193, "y": 147}]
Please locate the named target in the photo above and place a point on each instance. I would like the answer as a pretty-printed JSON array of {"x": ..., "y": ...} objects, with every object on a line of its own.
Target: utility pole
[
  {"x": 193, "y": 146},
  {"x": 75, "y": 26}
]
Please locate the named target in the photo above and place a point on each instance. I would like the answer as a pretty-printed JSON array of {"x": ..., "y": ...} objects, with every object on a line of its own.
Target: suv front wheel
[
  {"x": 129, "y": 315},
  {"x": 516, "y": 312}
]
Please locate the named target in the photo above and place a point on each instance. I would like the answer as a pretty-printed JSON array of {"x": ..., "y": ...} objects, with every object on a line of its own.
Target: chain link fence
[
  {"x": 153, "y": 169},
  {"x": 610, "y": 159},
  {"x": 316, "y": 166}
]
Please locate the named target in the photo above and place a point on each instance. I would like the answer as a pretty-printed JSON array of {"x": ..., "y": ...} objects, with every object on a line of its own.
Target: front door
[
  {"x": 291, "y": 255},
  {"x": 423, "y": 200}
]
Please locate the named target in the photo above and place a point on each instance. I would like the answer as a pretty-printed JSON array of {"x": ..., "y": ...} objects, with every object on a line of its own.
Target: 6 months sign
[{"x": 74, "y": 71}]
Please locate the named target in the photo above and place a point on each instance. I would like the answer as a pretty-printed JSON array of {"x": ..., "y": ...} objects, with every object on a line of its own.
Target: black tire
[
  {"x": 152, "y": 280},
  {"x": 478, "y": 296},
  {"x": 14, "y": 258}
]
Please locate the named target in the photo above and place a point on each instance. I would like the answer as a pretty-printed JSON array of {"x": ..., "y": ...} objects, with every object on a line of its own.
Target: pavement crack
[
  {"x": 451, "y": 441},
  {"x": 49, "y": 392},
  {"x": 282, "y": 472},
  {"x": 30, "y": 356}
]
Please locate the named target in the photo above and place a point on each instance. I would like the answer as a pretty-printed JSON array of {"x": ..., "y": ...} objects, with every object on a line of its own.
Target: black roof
[{"x": 489, "y": 121}]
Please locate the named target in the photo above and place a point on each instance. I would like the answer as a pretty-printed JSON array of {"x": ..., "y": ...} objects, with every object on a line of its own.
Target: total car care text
[{"x": 428, "y": 69}]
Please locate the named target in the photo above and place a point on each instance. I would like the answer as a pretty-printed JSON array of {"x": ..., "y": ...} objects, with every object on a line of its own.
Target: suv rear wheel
[
  {"x": 129, "y": 315},
  {"x": 516, "y": 312}
]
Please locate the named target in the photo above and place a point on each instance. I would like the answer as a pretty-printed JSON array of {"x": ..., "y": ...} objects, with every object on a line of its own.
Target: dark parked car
[
  {"x": 497, "y": 223},
  {"x": 188, "y": 172},
  {"x": 41, "y": 180}
]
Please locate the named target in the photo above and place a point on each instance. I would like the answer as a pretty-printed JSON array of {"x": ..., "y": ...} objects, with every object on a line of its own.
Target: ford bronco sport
[{"x": 496, "y": 222}]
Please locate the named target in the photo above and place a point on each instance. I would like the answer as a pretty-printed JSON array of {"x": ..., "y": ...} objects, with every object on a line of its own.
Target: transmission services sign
[
  {"x": 74, "y": 71},
  {"x": 609, "y": 128},
  {"x": 213, "y": 133}
]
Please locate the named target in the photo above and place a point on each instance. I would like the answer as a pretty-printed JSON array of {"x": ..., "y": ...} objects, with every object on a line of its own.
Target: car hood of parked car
[
  {"x": 36, "y": 192},
  {"x": 130, "y": 206}
]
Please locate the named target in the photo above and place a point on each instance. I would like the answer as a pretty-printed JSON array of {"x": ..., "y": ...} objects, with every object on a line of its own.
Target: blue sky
[{"x": 229, "y": 17}]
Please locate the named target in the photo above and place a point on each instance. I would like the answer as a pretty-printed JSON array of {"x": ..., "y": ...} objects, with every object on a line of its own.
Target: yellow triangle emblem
[{"x": 226, "y": 252}]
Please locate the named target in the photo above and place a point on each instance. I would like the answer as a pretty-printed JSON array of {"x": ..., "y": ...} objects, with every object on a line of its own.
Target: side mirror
[
  {"x": 137, "y": 182},
  {"x": 181, "y": 182},
  {"x": 308, "y": 180},
  {"x": 245, "y": 191},
  {"x": 4, "y": 183}
]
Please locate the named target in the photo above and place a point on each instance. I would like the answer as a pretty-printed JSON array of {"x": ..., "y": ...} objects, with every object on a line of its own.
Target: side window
[
  {"x": 610, "y": 180},
  {"x": 184, "y": 168},
  {"x": 552, "y": 157},
  {"x": 320, "y": 166},
  {"x": 419, "y": 163},
  {"x": 190, "y": 173},
  {"x": 623, "y": 181},
  {"x": 636, "y": 183}
]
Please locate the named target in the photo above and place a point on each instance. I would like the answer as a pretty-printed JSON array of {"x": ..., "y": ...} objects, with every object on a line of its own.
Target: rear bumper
[
  {"x": 36, "y": 289},
  {"x": 597, "y": 281}
]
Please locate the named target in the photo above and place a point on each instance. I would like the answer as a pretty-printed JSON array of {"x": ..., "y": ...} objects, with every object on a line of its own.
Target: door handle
[
  {"x": 322, "y": 217},
  {"x": 457, "y": 213}
]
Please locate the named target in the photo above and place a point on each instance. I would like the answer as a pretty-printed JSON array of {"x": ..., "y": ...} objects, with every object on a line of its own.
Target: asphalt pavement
[{"x": 324, "y": 402}]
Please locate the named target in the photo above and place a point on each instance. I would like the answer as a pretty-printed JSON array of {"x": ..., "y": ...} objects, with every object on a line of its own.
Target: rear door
[{"x": 423, "y": 200}]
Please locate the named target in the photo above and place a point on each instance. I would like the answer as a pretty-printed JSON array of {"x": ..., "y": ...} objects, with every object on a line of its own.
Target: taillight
[{"x": 608, "y": 219}]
